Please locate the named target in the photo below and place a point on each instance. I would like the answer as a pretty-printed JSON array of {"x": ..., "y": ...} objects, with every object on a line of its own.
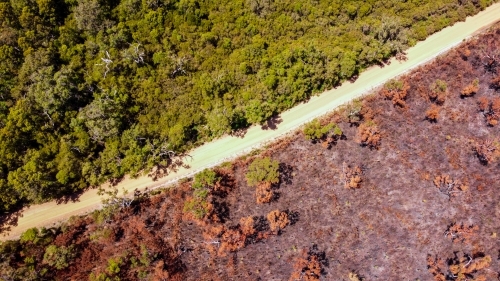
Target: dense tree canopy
[{"x": 95, "y": 89}]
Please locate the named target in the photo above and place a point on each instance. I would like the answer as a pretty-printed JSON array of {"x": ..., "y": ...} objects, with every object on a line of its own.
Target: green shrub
[
  {"x": 99, "y": 277},
  {"x": 203, "y": 181},
  {"x": 105, "y": 214},
  {"x": 196, "y": 206},
  {"x": 145, "y": 258},
  {"x": 114, "y": 266},
  {"x": 314, "y": 130},
  {"x": 58, "y": 257},
  {"x": 394, "y": 85},
  {"x": 30, "y": 262},
  {"x": 439, "y": 86},
  {"x": 205, "y": 178},
  {"x": 337, "y": 131},
  {"x": 142, "y": 274},
  {"x": 438, "y": 91},
  {"x": 263, "y": 170},
  {"x": 30, "y": 235},
  {"x": 98, "y": 234}
]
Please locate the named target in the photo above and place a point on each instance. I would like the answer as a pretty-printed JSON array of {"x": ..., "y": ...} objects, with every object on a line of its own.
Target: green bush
[
  {"x": 439, "y": 86},
  {"x": 102, "y": 233},
  {"x": 114, "y": 266},
  {"x": 105, "y": 214},
  {"x": 196, "y": 206},
  {"x": 202, "y": 182},
  {"x": 29, "y": 235},
  {"x": 263, "y": 170},
  {"x": 205, "y": 178},
  {"x": 101, "y": 277},
  {"x": 337, "y": 131},
  {"x": 314, "y": 130},
  {"x": 58, "y": 257},
  {"x": 42, "y": 236},
  {"x": 394, "y": 85}
]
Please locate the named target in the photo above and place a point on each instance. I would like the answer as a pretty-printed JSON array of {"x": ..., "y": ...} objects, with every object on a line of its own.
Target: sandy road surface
[{"x": 229, "y": 147}]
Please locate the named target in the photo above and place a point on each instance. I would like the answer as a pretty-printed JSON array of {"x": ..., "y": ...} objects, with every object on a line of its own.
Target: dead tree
[
  {"x": 136, "y": 54},
  {"x": 106, "y": 62},
  {"x": 490, "y": 110},
  {"x": 179, "y": 66},
  {"x": 490, "y": 61},
  {"x": 461, "y": 233},
  {"x": 485, "y": 151},
  {"x": 448, "y": 186}
]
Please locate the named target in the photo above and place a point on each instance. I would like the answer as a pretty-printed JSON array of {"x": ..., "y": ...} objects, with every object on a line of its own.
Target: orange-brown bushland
[
  {"x": 369, "y": 135},
  {"x": 459, "y": 233},
  {"x": 307, "y": 269},
  {"x": 309, "y": 265},
  {"x": 448, "y": 186},
  {"x": 486, "y": 150},
  {"x": 277, "y": 220},
  {"x": 247, "y": 225},
  {"x": 495, "y": 82},
  {"x": 483, "y": 103},
  {"x": 471, "y": 89},
  {"x": 232, "y": 239},
  {"x": 460, "y": 268},
  {"x": 264, "y": 193},
  {"x": 396, "y": 91},
  {"x": 356, "y": 112},
  {"x": 226, "y": 182},
  {"x": 432, "y": 113},
  {"x": 490, "y": 109},
  {"x": 351, "y": 177},
  {"x": 436, "y": 267},
  {"x": 222, "y": 240}
]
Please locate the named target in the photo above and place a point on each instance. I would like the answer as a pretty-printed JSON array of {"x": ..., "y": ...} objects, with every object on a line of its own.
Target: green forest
[{"x": 91, "y": 90}]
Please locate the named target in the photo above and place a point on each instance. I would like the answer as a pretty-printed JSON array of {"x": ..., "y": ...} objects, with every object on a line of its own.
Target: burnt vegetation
[
  {"x": 85, "y": 84},
  {"x": 395, "y": 198}
]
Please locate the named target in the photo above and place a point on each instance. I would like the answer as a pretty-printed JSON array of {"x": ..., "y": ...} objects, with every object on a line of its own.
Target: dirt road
[{"x": 229, "y": 147}]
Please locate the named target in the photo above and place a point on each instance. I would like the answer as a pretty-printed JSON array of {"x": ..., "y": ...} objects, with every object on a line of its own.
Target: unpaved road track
[{"x": 228, "y": 147}]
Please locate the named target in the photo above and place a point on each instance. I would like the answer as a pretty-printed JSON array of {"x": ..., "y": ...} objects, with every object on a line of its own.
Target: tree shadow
[
  {"x": 239, "y": 133},
  {"x": 285, "y": 173},
  {"x": 401, "y": 57},
  {"x": 170, "y": 165},
  {"x": 72, "y": 197},
  {"x": 220, "y": 212},
  {"x": 226, "y": 183},
  {"x": 116, "y": 181},
  {"x": 383, "y": 63},
  {"x": 320, "y": 255},
  {"x": 271, "y": 123},
  {"x": 261, "y": 225},
  {"x": 7, "y": 221},
  {"x": 293, "y": 216}
]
